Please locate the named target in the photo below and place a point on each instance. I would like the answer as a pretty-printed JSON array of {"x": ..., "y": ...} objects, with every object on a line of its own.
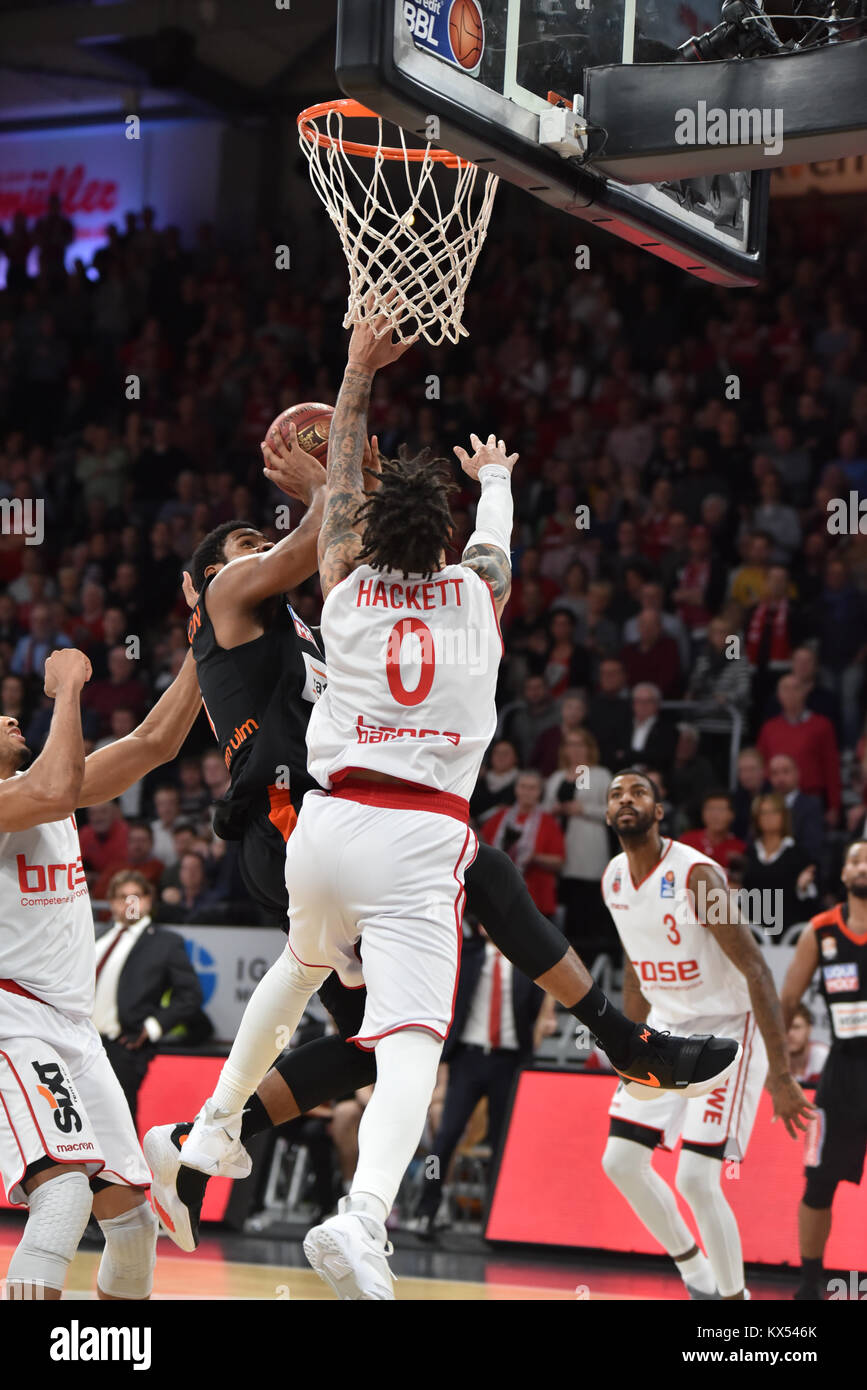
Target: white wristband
[{"x": 495, "y": 512}]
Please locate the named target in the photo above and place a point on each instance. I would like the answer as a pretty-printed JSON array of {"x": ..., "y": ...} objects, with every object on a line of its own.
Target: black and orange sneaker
[
  {"x": 177, "y": 1192},
  {"x": 661, "y": 1062}
]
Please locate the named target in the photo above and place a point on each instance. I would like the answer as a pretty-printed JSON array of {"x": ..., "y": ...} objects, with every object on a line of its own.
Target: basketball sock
[
  {"x": 256, "y": 1118},
  {"x": 699, "y": 1183},
  {"x": 270, "y": 1018},
  {"x": 697, "y": 1273},
  {"x": 613, "y": 1030},
  {"x": 629, "y": 1167},
  {"x": 393, "y": 1122},
  {"x": 812, "y": 1270}
]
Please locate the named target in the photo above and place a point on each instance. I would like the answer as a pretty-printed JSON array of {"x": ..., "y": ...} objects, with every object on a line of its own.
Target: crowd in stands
[{"x": 677, "y": 585}]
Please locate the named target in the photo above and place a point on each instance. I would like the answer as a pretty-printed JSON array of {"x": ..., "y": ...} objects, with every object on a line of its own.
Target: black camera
[{"x": 745, "y": 32}]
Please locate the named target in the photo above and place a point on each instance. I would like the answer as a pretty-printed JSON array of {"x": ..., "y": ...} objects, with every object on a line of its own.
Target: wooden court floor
[{"x": 234, "y": 1268}]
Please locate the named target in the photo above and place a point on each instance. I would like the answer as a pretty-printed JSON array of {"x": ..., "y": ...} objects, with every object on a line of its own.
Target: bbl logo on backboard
[
  {"x": 453, "y": 30},
  {"x": 666, "y": 884}
]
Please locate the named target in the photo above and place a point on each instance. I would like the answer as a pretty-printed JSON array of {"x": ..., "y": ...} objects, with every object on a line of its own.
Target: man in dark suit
[
  {"x": 137, "y": 964},
  {"x": 491, "y": 1039},
  {"x": 652, "y": 737},
  {"x": 808, "y": 817}
]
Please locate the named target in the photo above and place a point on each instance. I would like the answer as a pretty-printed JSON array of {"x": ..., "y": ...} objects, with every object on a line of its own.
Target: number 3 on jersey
[
  {"x": 672, "y": 935},
  {"x": 410, "y": 627}
]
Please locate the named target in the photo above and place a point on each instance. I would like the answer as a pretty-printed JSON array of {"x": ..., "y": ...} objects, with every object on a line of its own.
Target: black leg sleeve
[
  {"x": 322, "y": 1070},
  {"x": 497, "y": 895}
]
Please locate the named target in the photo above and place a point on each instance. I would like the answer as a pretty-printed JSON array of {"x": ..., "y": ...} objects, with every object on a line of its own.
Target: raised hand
[
  {"x": 368, "y": 351},
  {"x": 492, "y": 452},
  {"x": 66, "y": 667},
  {"x": 294, "y": 471}
]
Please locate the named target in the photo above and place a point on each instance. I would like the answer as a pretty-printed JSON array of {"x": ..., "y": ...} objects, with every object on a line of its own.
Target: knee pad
[
  {"x": 59, "y": 1212},
  {"x": 698, "y": 1177},
  {"x": 126, "y": 1269},
  {"x": 820, "y": 1189}
]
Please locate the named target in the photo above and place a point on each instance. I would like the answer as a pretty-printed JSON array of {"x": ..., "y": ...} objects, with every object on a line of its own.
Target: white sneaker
[
  {"x": 214, "y": 1145},
  {"x": 349, "y": 1251},
  {"x": 179, "y": 1215}
]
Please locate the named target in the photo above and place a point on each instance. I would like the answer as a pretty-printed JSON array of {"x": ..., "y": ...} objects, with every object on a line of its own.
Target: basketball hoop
[{"x": 426, "y": 250}]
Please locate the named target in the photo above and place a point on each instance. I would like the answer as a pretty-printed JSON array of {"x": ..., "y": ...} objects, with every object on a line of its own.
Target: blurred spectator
[
  {"x": 720, "y": 675},
  {"x": 698, "y": 583},
  {"x": 193, "y": 899},
  {"x": 841, "y": 621},
  {"x": 122, "y": 722},
  {"x": 652, "y": 600},
  {"x": 806, "y": 1056},
  {"x": 573, "y": 715},
  {"x": 577, "y": 794},
  {"x": 805, "y": 811},
  {"x": 42, "y": 639},
  {"x": 652, "y": 738},
  {"x": 751, "y": 780},
  {"x": 167, "y": 804},
  {"x": 104, "y": 840},
  {"x": 610, "y": 713},
  {"x": 773, "y": 630},
  {"x": 122, "y": 690},
  {"x": 749, "y": 581},
  {"x": 715, "y": 838},
  {"x": 653, "y": 654},
  {"x": 531, "y": 838},
  {"x": 690, "y": 774},
  {"x": 524, "y": 721},
  {"x": 194, "y": 795},
  {"x": 809, "y": 739},
  {"x": 496, "y": 785},
  {"x": 778, "y": 867},
  {"x": 805, "y": 667},
  {"x": 139, "y": 856}
]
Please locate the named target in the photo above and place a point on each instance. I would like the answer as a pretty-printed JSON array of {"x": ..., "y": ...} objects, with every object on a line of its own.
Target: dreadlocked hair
[{"x": 407, "y": 522}]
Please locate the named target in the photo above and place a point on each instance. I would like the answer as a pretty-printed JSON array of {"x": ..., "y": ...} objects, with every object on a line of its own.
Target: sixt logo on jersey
[
  {"x": 54, "y": 1090},
  {"x": 35, "y": 878},
  {"x": 666, "y": 884},
  {"x": 382, "y": 733},
  {"x": 839, "y": 979}
]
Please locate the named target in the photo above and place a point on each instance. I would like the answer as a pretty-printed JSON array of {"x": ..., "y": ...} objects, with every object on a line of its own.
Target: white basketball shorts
[
  {"x": 59, "y": 1098},
  {"x": 389, "y": 884},
  {"x": 725, "y": 1115}
]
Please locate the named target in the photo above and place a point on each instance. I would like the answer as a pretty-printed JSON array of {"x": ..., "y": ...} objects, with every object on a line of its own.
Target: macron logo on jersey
[{"x": 37, "y": 878}]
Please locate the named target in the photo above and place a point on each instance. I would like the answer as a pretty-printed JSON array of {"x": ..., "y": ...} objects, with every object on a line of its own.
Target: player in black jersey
[
  {"x": 240, "y": 619},
  {"x": 836, "y": 942}
]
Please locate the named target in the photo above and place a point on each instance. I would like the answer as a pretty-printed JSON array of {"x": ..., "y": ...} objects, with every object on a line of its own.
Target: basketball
[
  {"x": 466, "y": 32},
  {"x": 312, "y": 420}
]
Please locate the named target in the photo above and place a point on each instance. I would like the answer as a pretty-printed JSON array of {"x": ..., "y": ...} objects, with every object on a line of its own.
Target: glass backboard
[{"x": 485, "y": 69}]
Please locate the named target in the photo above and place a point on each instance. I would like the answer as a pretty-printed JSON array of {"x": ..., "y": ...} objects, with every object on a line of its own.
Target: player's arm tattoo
[
  {"x": 635, "y": 1006},
  {"x": 737, "y": 942},
  {"x": 495, "y": 568},
  {"x": 340, "y": 538}
]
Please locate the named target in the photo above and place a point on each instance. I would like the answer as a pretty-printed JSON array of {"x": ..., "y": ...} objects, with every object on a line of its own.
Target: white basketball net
[{"x": 425, "y": 249}]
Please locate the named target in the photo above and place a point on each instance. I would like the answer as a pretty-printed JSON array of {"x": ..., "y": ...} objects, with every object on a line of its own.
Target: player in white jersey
[
  {"x": 689, "y": 963},
  {"x": 67, "y": 1141},
  {"x": 377, "y": 861}
]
